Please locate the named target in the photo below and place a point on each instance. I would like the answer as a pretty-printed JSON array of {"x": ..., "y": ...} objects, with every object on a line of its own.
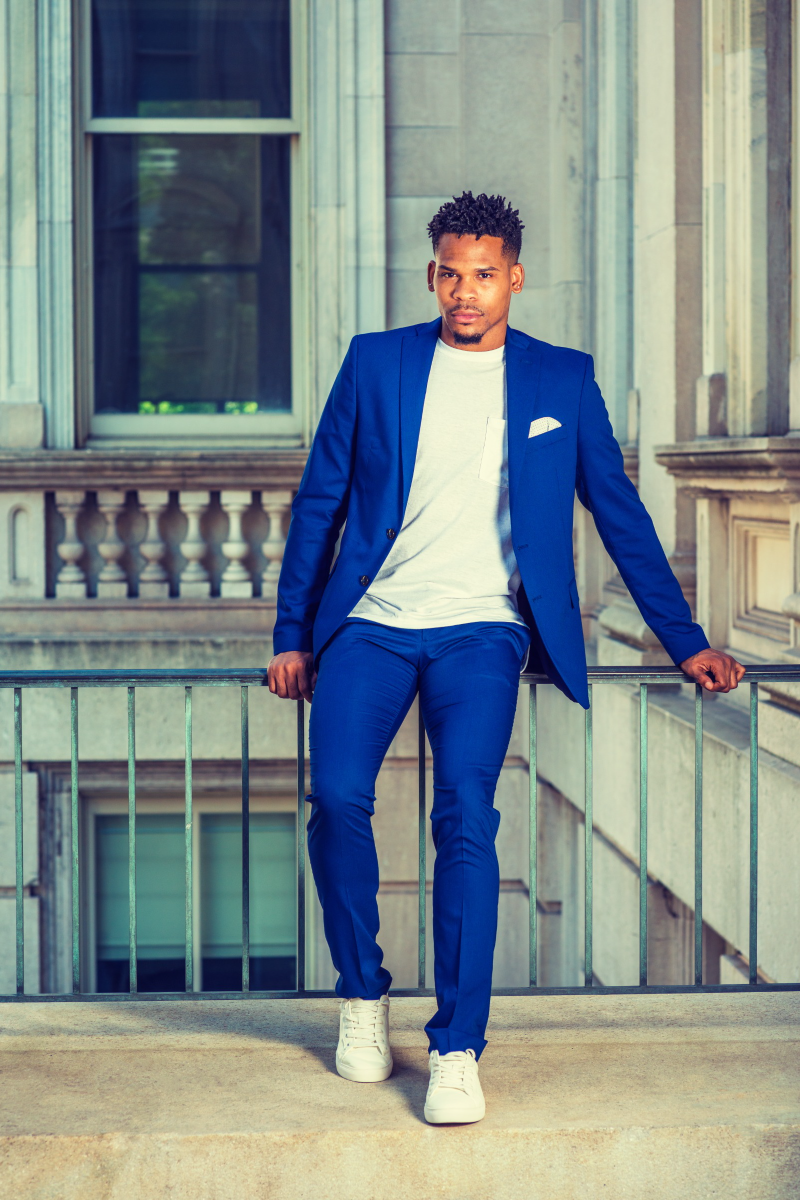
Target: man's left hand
[{"x": 714, "y": 670}]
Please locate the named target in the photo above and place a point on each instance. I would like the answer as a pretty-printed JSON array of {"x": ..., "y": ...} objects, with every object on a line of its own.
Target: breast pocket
[
  {"x": 494, "y": 460},
  {"x": 542, "y": 440}
]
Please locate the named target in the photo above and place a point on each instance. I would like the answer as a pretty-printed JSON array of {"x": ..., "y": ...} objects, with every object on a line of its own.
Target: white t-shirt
[{"x": 452, "y": 562}]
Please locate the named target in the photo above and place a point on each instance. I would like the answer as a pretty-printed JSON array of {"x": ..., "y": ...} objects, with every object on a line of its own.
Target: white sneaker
[
  {"x": 363, "y": 1053},
  {"x": 454, "y": 1095}
]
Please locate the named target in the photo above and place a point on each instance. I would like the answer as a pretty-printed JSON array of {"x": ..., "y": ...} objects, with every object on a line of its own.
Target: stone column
[
  {"x": 112, "y": 582},
  {"x": 276, "y": 506},
  {"x": 745, "y": 176},
  {"x": 194, "y": 581},
  {"x": 713, "y": 569},
  {"x": 71, "y": 581},
  {"x": 236, "y": 581},
  {"x": 566, "y": 159},
  {"x": 153, "y": 580},
  {"x": 21, "y": 413},
  {"x": 668, "y": 257}
]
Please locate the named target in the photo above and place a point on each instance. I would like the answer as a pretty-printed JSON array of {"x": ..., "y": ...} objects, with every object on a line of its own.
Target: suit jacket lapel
[
  {"x": 415, "y": 365},
  {"x": 523, "y": 363}
]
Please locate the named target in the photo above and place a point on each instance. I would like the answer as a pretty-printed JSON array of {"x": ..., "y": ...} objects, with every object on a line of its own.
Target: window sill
[{"x": 186, "y": 430}]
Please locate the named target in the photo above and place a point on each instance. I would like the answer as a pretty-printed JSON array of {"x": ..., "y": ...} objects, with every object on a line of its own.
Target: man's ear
[
  {"x": 431, "y": 274},
  {"x": 517, "y": 277}
]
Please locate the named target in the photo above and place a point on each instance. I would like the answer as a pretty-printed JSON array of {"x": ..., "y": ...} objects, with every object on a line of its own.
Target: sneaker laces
[
  {"x": 361, "y": 1023},
  {"x": 453, "y": 1069}
]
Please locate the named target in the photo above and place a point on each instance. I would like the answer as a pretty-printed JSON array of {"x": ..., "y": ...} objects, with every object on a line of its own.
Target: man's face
[{"x": 473, "y": 281}]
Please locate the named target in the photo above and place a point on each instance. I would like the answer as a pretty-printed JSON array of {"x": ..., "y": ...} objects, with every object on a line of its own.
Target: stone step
[{"x": 629, "y": 1098}]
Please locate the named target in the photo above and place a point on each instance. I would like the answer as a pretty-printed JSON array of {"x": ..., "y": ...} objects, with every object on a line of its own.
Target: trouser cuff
[{"x": 446, "y": 1040}]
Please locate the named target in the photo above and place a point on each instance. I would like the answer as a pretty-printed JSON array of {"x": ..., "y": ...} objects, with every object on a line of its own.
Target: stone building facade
[{"x": 202, "y": 204}]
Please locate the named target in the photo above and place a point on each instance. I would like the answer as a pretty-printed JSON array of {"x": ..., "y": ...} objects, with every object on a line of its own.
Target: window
[
  {"x": 160, "y": 907},
  {"x": 192, "y": 176}
]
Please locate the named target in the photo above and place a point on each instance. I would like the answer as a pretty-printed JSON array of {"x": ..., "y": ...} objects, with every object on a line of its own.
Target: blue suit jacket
[{"x": 360, "y": 467}]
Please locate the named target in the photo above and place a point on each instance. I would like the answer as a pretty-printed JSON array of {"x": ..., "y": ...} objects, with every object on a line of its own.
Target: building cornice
[
  {"x": 735, "y": 466},
  {"x": 176, "y": 470}
]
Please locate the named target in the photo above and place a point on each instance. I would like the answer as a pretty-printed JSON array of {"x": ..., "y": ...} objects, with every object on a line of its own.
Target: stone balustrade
[
  {"x": 142, "y": 529},
  {"x": 190, "y": 544}
]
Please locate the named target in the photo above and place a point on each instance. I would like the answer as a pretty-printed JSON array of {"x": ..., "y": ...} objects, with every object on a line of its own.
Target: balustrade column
[
  {"x": 194, "y": 581},
  {"x": 236, "y": 581},
  {"x": 71, "y": 580},
  {"x": 153, "y": 580},
  {"x": 112, "y": 582},
  {"x": 276, "y": 505}
]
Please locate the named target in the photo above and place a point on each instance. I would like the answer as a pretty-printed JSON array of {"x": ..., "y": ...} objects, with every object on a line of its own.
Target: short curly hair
[{"x": 480, "y": 216}]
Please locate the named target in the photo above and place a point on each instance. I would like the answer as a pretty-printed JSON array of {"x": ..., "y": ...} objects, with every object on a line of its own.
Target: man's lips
[{"x": 466, "y": 316}]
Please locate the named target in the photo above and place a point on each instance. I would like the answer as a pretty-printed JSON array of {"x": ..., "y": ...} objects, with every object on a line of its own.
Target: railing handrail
[
  {"x": 257, "y": 676},
  {"x": 246, "y": 677}
]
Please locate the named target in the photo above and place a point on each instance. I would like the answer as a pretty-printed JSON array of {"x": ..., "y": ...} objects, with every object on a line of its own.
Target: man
[{"x": 453, "y": 451}]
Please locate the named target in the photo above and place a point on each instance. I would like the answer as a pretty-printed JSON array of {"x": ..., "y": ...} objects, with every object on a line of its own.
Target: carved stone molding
[
  {"x": 67, "y": 470},
  {"x": 735, "y": 466}
]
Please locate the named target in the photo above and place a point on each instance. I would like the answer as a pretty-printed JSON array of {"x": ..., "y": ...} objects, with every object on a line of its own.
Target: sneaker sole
[
  {"x": 362, "y": 1074},
  {"x": 456, "y": 1116}
]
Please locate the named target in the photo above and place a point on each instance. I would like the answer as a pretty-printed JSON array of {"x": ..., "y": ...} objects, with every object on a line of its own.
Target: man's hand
[
  {"x": 292, "y": 675},
  {"x": 714, "y": 670}
]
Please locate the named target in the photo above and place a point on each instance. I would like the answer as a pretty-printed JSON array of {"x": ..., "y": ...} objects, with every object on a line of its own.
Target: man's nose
[{"x": 464, "y": 290}]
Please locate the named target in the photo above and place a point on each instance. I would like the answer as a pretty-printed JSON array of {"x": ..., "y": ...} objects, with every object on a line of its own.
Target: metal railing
[{"x": 244, "y": 679}]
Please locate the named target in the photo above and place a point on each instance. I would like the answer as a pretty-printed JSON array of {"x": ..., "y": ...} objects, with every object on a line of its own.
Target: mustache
[{"x": 463, "y": 308}]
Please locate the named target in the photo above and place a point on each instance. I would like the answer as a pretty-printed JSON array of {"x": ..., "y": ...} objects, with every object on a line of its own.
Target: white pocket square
[{"x": 543, "y": 425}]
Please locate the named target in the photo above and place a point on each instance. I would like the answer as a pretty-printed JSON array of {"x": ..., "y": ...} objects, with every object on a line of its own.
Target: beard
[{"x": 467, "y": 339}]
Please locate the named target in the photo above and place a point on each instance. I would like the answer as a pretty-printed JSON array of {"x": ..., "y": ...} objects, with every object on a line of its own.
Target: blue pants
[{"x": 468, "y": 679}]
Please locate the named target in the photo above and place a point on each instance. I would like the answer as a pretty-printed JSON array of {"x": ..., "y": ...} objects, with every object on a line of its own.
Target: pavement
[{"x": 662, "y": 1097}]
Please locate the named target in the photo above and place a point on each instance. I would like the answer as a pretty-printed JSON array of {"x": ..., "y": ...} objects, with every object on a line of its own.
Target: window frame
[
  {"x": 95, "y": 807},
  {"x": 266, "y": 429}
]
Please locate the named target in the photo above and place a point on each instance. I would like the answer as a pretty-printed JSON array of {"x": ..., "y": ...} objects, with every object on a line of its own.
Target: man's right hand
[{"x": 292, "y": 675}]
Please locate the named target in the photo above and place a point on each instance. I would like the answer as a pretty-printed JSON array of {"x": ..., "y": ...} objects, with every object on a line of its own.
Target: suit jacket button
[
  {"x": 364, "y": 580},
  {"x": 390, "y": 533}
]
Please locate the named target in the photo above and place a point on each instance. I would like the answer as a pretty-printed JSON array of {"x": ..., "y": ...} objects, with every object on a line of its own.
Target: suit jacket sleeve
[
  {"x": 318, "y": 513},
  {"x": 627, "y": 530}
]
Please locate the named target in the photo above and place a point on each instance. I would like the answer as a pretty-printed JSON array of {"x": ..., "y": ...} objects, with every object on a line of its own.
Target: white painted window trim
[
  {"x": 338, "y": 218},
  {"x": 138, "y": 430}
]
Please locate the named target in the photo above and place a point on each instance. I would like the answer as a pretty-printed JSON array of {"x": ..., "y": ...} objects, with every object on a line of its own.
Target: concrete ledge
[{"x": 658, "y": 1096}]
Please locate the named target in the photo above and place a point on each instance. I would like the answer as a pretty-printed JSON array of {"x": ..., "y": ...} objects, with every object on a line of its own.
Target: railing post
[
  {"x": 422, "y": 869},
  {"x": 132, "y": 963},
  {"x": 301, "y": 848},
  {"x": 698, "y": 834},
  {"x": 588, "y": 829},
  {"x": 245, "y": 842},
  {"x": 19, "y": 844},
  {"x": 188, "y": 846},
  {"x": 643, "y": 835},
  {"x": 532, "y": 843},
  {"x": 76, "y": 891},
  {"x": 753, "y": 951}
]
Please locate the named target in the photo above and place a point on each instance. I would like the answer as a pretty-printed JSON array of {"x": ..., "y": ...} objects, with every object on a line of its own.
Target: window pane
[
  {"x": 159, "y": 903},
  {"x": 192, "y": 274},
  {"x": 272, "y": 901},
  {"x": 190, "y": 58}
]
